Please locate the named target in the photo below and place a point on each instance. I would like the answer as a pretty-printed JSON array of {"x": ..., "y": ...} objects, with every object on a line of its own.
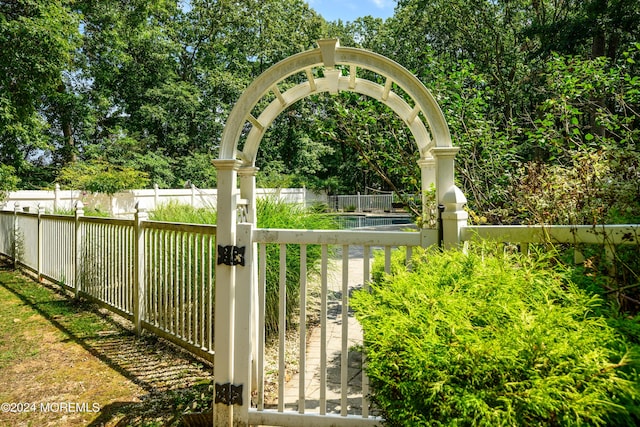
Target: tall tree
[
  {"x": 37, "y": 42},
  {"x": 591, "y": 28}
]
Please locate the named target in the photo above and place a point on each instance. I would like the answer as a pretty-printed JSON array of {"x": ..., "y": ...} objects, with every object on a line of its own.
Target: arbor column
[
  {"x": 445, "y": 169},
  {"x": 248, "y": 191},
  {"x": 224, "y": 310},
  {"x": 454, "y": 217},
  {"x": 247, "y": 281}
]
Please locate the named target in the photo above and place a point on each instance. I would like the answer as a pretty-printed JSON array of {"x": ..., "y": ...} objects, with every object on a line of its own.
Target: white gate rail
[{"x": 607, "y": 235}]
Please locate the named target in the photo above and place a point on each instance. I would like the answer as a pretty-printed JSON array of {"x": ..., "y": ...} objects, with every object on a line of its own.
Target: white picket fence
[
  {"x": 161, "y": 277},
  {"x": 124, "y": 203},
  {"x": 158, "y": 275},
  {"x": 361, "y": 203}
]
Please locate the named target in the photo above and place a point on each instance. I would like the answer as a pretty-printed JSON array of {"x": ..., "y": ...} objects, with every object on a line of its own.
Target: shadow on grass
[{"x": 172, "y": 378}]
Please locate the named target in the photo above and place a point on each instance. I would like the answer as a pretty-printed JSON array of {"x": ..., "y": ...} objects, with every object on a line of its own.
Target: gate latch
[
  {"x": 229, "y": 394},
  {"x": 231, "y": 255}
]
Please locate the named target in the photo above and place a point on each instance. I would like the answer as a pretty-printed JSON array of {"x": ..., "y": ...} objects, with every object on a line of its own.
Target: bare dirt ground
[{"x": 66, "y": 363}]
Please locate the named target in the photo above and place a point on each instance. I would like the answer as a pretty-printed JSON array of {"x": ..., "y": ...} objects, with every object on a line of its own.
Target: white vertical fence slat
[
  {"x": 333, "y": 390},
  {"x": 366, "y": 277},
  {"x": 7, "y": 231},
  {"x": 27, "y": 241},
  {"x": 324, "y": 261},
  {"x": 344, "y": 314},
  {"x": 108, "y": 261},
  {"x": 282, "y": 325},
  {"x": 179, "y": 284},
  {"x": 243, "y": 328},
  {"x": 58, "y": 249},
  {"x": 303, "y": 329},
  {"x": 262, "y": 286}
]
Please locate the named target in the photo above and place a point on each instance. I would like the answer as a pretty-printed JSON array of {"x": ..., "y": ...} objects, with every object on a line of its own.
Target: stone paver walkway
[{"x": 334, "y": 348}]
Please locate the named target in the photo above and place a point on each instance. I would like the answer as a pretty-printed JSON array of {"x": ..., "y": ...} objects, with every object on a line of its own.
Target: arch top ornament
[{"x": 330, "y": 54}]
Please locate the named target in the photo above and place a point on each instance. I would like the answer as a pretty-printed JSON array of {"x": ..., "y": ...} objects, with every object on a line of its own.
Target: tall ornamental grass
[
  {"x": 178, "y": 212},
  {"x": 486, "y": 340},
  {"x": 272, "y": 213}
]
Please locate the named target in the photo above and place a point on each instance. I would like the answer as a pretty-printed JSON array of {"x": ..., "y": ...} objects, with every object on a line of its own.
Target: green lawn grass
[{"x": 54, "y": 348}]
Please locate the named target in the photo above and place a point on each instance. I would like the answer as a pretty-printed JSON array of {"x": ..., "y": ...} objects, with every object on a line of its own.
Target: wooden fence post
[
  {"x": 139, "y": 258},
  {"x": 78, "y": 267}
]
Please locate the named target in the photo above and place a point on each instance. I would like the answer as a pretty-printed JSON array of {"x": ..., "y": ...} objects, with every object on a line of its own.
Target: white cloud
[{"x": 382, "y": 4}]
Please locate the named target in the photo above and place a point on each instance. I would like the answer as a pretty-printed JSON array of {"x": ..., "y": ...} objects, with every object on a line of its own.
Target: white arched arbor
[
  {"x": 420, "y": 113},
  {"x": 433, "y": 139}
]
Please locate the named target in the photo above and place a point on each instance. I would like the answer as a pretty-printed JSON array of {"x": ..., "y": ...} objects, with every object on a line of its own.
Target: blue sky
[{"x": 350, "y": 10}]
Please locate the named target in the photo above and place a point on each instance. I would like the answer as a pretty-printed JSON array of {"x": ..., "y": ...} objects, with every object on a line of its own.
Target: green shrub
[
  {"x": 99, "y": 176},
  {"x": 8, "y": 180},
  {"x": 486, "y": 340}
]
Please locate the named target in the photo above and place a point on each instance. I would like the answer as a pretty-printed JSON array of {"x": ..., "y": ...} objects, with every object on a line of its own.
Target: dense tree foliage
[{"x": 542, "y": 97}]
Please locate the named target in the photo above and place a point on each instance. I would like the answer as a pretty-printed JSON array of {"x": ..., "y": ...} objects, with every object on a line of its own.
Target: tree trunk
[{"x": 69, "y": 154}]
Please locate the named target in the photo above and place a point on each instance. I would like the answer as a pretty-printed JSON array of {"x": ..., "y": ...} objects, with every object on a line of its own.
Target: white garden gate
[{"x": 239, "y": 290}]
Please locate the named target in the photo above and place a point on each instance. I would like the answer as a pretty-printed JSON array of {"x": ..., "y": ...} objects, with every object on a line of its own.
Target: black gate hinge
[
  {"x": 229, "y": 394},
  {"x": 231, "y": 255}
]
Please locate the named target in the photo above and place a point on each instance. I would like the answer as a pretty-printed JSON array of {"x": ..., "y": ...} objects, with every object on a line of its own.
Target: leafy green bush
[
  {"x": 99, "y": 176},
  {"x": 8, "y": 180},
  {"x": 485, "y": 340}
]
